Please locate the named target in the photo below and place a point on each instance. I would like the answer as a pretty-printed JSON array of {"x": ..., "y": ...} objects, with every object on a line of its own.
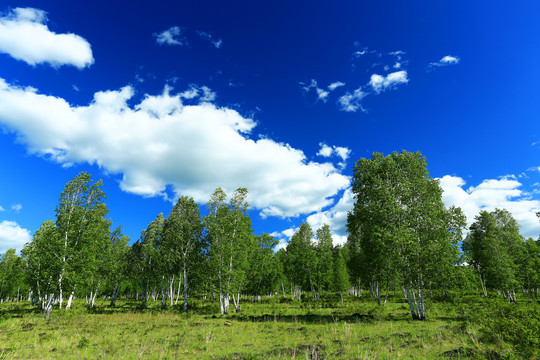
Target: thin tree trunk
[
  {"x": 178, "y": 292},
  {"x": 185, "y": 288},
  {"x": 68, "y": 306},
  {"x": 114, "y": 294}
]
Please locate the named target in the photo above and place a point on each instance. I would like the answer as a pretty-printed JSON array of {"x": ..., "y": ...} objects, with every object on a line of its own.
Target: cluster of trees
[
  {"x": 80, "y": 255},
  {"x": 401, "y": 236},
  {"x": 503, "y": 259}
]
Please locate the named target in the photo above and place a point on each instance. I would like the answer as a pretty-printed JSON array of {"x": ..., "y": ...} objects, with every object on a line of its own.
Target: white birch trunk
[
  {"x": 185, "y": 288},
  {"x": 68, "y": 306}
]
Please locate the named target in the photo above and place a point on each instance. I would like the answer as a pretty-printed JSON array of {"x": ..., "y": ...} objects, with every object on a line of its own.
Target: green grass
[{"x": 274, "y": 328}]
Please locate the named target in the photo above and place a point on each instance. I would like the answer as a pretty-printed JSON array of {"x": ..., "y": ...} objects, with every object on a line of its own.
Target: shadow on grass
[
  {"x": 19, "y": 310},
  {"x": 308, "y": 318}
]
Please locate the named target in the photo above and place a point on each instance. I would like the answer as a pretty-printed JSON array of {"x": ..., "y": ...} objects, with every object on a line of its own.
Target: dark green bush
[{"x": 517, "y": 324}]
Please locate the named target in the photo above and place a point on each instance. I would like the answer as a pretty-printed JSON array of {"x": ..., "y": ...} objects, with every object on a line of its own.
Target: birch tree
[
  {"x": 145, "y": 259},
  {"x": 182, "y": 241},
  {"x": 340, "y": 277},
  {"x": 11, "y": 276},
  {"x": 79, "y": 217},
  {"x": 325, "y": 263},
  {"x": 301, "y": 261},
  {"x": 264, "y": 270},
  {"x": 115, "y": 263},
  {"x": 229, "y": 235},
  {"x": 493, "y": 248},
  {"x": 42, "y": 265},
  {"x": 400, "y": 224}
]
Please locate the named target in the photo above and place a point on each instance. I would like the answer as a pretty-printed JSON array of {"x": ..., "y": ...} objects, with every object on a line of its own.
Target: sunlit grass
[{"x": 274, "y": 328}]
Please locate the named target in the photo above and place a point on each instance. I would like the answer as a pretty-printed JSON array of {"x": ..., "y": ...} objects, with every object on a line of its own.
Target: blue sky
[{"x": 177, "y": 98}]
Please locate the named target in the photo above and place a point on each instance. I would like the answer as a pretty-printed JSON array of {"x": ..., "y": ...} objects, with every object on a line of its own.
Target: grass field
[{"x": 272, "y": 329}]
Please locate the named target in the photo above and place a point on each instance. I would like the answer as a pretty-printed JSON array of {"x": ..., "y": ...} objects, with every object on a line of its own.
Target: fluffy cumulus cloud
[
  {"x": 325, "y": 150},
  {"x": 179, "y": 139},
  {"x": 335, "y": 217},
  {"x": 503, "y": 193},
  {"x": 339, "y": 151},
  {"x": 172, "y": 36},
  {"x": 445, "y": 61},
  {"x": 381, "y": 83},
  {"x": 25, "y": 36},
  {"x": 12, "y": 236}
]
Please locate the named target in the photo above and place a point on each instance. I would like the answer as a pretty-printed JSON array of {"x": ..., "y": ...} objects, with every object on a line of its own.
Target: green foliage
[
  {"x": 495, "y": 249},
  {"x": 11, "y": 275},
  {"x": 340, "y": 276},
  {"x": 300, "y": 258},
  {"x": 230, "y": 241},
  {"x": 399, "y": 230},
  {"x": 518, "y": 325}
]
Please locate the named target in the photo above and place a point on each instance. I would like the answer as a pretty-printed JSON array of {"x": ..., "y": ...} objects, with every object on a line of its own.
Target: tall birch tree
[
  {"x": 182, "y": 241},
  {"x": 229, "y": 236},
  {"x": 400, "y": 226}
]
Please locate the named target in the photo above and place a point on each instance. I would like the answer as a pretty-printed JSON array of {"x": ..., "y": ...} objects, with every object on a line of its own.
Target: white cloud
[
  {"x": 12, "y": 236},
  {"x": 333, "y": 86},
  {"x": 1, "y": 208},
  {"x": 449, "y": 60},
  {"x": 352, "y": 102},
  {"x": 325, "y": 150},
  {"x": 446, "y": 60},
  {"x": 25, "y": 36},
  {"x": 335, "y": 217},
  {"x": 341, "y": 152},
  {"x": 216, "y": 42},
  {"x": 161, "y": 140},
  {"x": 322, "y": 94},
  {"x": 360, "y": 52},
  {"x": 171, "y": 36},
  {"x": 381, "y": 83},
  {"x": 503, "y": 193},
  {"x": 16, "y": 207}
]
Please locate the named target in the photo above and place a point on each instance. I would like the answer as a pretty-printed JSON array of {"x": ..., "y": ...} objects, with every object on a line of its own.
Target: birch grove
[{"x": 401, "y": 238}]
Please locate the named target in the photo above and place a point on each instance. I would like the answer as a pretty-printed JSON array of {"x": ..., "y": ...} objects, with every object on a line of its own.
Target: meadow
[{"x": 461, "y": 326}]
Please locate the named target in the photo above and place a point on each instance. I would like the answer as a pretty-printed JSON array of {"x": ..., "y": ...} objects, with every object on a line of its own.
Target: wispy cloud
[
  {"x": 25, "y": 36},
  {"x": 352, "y": 102},
  {"x": 322, "y": 94},
  {"x": 172, "y": 36},
  {"x": 217, "y": 43},
  {"x": 333, "y": 86}
]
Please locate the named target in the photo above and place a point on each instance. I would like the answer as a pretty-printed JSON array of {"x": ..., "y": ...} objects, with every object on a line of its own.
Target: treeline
[{"x": 401, "y": 237}]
